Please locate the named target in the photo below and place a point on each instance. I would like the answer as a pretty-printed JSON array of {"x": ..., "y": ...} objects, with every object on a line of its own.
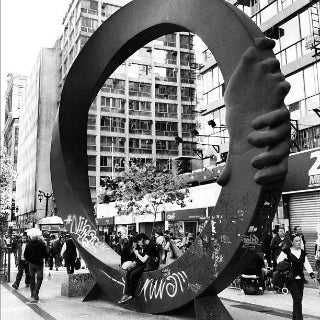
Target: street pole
[
  {"x": 41, "y": 194},
  {"x": 112, "y": 160}
]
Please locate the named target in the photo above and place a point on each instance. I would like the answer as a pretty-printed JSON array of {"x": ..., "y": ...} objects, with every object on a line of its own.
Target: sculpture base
[
  {"x": 78, "y": 284},
  {"x": 211, "y": 308}
]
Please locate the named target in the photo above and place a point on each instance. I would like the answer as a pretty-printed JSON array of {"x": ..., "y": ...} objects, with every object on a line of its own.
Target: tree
[
  {"x": 145, "y": 190},
  {"x": 7, "y": 175}
]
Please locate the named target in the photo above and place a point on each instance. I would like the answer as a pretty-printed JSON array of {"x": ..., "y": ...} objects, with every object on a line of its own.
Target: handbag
[{"x": 77, "y": 264}]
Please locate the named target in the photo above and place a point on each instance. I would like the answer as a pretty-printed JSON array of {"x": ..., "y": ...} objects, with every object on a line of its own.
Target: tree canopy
[{"x": 145, "y": 190}]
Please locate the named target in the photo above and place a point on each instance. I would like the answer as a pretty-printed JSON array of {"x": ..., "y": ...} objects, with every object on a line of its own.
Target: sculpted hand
[{"x": 256, "y": 115}]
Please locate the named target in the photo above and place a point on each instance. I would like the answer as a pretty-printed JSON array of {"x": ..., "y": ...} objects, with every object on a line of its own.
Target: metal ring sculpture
[{"x": 235, "y": 227}]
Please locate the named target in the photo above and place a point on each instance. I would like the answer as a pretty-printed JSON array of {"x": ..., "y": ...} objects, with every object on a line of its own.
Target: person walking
[
  {"x": 298, "y": 231},
  {"x": 298, "y": 259},
  {"x": 317, "y": 258},
  {"x": 70, "y": 253},
  {"x": 34, "y": 254},
  {"x": 22, "y": 263},
  {"x": 279, "y": 242}
]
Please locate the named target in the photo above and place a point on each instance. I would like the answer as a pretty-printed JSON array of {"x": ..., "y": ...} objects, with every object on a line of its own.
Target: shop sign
[
  {"x": 188, "y": 214},
  {"x": 304, "y": 171},
  {"x": 104, "y": 221}
]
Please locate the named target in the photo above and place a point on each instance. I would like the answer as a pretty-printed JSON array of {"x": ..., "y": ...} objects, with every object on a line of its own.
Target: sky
[{"x": 26, "y": 27}]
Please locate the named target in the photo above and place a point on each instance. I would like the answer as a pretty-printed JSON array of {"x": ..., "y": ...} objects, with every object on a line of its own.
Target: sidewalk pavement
[{"x": 15, "y": 304}]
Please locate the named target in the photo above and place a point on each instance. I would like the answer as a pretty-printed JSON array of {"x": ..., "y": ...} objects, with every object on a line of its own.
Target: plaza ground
[{"x": 15, "y": 304}]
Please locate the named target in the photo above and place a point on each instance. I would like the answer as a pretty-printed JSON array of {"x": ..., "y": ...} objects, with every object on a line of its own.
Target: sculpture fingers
[
  {"x": 272, "y": 173},
  {"x": 271, "y": 157},
  {"x": 272, "y": 118},
  {"x": 264, "y": 43},
  {"x": 273, "y": 136},
  {"x": 225, "y": 174}
]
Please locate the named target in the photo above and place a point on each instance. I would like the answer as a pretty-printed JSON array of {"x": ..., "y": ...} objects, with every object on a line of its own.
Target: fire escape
[{"x": 315, "y": 24}]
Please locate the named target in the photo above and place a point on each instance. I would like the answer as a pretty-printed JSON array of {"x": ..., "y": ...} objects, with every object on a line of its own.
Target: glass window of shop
[{"x": 304, "y": 93}]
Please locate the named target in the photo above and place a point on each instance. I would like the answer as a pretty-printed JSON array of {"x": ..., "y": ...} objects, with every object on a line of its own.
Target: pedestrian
[
  {"x": 298, "y": 231},
  {"x": 265, "y": 248},
  {"x": 147, "y": 260},
  {"x": 279, "y": 242},
  {"x": 70, "y": 253},
  {"x": 55, "y": 247},
  {"x": 161, "y": 246},
  {"x": 295, "y": 283},
  {"x": 22, "y": 264},
  {"x": 317, "y": 258},
  {"x": 128, "y": 257},
  {"x": 34, "y": 254}
]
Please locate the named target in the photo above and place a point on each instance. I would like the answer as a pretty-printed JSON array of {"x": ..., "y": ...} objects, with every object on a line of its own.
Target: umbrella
[{"x": 34, "y": 232}]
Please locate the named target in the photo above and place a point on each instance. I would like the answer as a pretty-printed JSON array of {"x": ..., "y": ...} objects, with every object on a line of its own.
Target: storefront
[
  {"x": 301, "y": 195},
  {"x": 105, "y": 225},
  {"x": 146, "y": 222},
  {"x": 125, "y": 223},
  {"x": 181, "y": 222}
]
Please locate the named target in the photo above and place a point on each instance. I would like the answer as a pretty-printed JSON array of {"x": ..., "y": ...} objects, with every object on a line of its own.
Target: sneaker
[
  {"x": 15, "y": 286},
  {"x": 36, "y": 296},
  {"x": 125, "y": 298}
]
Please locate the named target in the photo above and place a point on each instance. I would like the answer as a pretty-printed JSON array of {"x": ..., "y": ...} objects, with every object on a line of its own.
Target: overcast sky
[{"x": 26, "y": 27}]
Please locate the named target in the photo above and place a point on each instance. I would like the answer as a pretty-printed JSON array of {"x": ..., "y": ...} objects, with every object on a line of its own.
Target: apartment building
[
  {"x": 145, "y": 104},
  {"x": 37, "y": 117},
  {"x": 294, "y": 26},
  {"x": 14, "y": 95}
]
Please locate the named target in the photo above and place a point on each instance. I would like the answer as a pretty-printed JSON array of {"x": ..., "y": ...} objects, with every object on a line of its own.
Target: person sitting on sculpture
[
  {"x": 128, "y": 257},
  {"x": 147, "y": 260}
]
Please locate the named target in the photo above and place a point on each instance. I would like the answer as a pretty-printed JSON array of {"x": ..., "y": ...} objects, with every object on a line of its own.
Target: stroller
[
  {"x": 278, "y": 281},
  {"x": 252, "y": 280},
  {"x": 251, "y": 284}
]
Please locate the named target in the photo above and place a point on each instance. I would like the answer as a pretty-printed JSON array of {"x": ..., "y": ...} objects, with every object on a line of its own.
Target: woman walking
[
  {"x": 317, "y": 257},
  {"x": 295, "y": 283}
]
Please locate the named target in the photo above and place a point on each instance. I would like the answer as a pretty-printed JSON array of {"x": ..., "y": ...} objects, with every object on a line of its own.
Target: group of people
[{"x": 31, "y": 252}]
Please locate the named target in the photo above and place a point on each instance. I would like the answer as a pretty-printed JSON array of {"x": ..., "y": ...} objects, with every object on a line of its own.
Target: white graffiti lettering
[
  {"x": 155, "y": 289},
  {"x": 86, "y": 235}
]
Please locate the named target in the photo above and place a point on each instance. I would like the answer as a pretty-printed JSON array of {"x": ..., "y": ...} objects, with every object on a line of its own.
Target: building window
[
  {"x": 142, "y": 108},
  {"x": 140, "y": 89},
  {"x": 91, "y": 122},
  {"x": 113, "y": 124},
  {"x": 137, "y": 126},
  {"x": 165, "y": 128},
  {"x": 112, "y": 144},
  {"x": 165, "y": 92},
  {"x": 165, "y": 147},
  {"x": 165, "y": 56},
  {"x": 142, "y": 146},
  {"x": 91, "y": 163},
  {"x": 89, "y": 6},
  {"x": 166, "y": 110},
  {"x": 89, "y": 25}
]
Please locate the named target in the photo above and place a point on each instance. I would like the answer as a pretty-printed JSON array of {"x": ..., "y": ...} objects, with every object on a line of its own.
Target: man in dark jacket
[
  {"x": 22, "y": 263},
  {"x": 34, "y": 253},
  {"x": 70, "y": 253},
  {"x": 279, "y": 242}
]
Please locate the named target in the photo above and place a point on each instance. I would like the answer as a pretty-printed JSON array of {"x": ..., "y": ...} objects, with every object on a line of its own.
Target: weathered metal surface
[{"x": 236, "y": 226}]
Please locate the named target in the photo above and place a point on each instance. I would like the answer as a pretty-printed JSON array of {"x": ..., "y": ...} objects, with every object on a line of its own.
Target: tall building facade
[
  {"x": 36, "y": 124},
  {"x": 294, "y": 26},
  {"x": 145, "y": 104},
  {"x": 14, "y": 95}
]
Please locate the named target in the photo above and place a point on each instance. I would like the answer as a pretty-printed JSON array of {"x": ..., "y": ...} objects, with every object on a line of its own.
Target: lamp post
[{"x": 42, "y": 194}]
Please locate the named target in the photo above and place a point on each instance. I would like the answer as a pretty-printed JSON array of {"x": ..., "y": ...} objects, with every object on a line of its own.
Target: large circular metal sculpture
[{"x": 244, "y": 208}]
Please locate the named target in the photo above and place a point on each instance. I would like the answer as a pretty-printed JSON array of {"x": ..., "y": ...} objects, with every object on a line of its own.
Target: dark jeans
[
  {"x": 22, "y": 266},
  {"x": 57, "y": 261},
  {"x": 296, "y": 289},
  {"x": 132, "y": 279},
  {"x": 36, "y": 277}
]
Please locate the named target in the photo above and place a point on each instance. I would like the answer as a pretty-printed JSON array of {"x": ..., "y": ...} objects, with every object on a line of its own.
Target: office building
[
  {"x": 36, "y": 123},
  {"x": 294, "y": 26},
  {"x": 14, "y": 96},
  {"x": 147, "y": 102}
]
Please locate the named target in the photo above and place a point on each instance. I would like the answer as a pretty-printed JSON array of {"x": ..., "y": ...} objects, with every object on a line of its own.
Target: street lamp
[{"x": 41, "y": 194}]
